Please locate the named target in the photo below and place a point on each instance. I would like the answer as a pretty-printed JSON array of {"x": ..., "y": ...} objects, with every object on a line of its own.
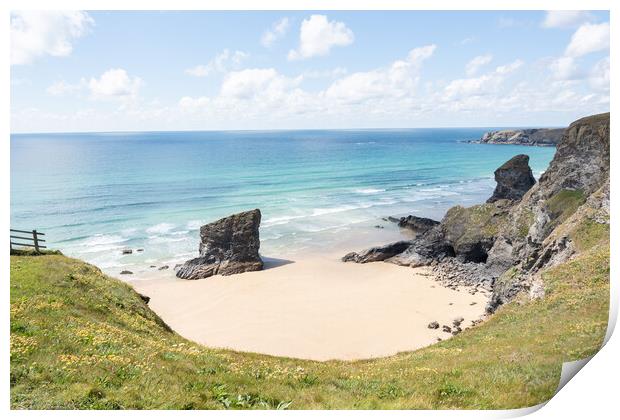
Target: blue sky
[{"x": 126, "y": 71}]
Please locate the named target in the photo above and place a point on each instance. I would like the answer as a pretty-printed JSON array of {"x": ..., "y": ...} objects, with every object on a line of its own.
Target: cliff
[
  {"x": 506, "y": 244},
  {"x": 528, "y": 137}
]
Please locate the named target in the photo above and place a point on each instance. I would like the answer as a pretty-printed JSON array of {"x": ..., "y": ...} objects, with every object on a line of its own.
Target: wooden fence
[{"x": 32, "y": 240}]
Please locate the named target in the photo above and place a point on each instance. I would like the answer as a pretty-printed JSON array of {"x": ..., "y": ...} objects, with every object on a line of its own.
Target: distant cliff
[{"x": 527, "y": 137}]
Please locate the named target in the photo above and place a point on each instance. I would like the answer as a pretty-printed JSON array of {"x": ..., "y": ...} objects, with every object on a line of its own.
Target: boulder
[
  {"x": 126, "y": 251},
  {"x": 126, "y": 272},
  {"x": 379, "y": 253},
  {"x": 433, "y": 325},
  {"x": 417, "y": 224},
  {"x": 514, "y": 178},
  {"x": 227, "y": 246}
]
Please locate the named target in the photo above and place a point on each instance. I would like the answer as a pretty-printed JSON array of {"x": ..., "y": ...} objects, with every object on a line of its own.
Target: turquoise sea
[{"x": 319, "y": 190}]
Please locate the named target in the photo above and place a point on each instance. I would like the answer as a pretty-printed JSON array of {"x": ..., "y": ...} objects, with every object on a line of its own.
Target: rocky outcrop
[
  {"x": 227, "y": 246},
  {"x": 504, "y": 245},
  {"x": 526, "y": 137},
  {"x": 514, "y": 178},
  {"x": 379, "y": 253},
  {"x": 574, "y": 188},
  {"x": 419, "y": 225}
]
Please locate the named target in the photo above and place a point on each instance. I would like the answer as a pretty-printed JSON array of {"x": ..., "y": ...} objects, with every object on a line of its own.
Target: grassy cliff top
[{"x": 80, "y": 339}]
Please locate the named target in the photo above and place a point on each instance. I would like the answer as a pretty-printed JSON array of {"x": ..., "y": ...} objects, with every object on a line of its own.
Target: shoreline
[{"x": 317, "y": 308}]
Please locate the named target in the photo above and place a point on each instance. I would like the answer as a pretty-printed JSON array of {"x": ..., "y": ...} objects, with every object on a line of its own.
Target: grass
[
  {"x": 480, "y": 222},
  {"x": 563, "y": 204},
  {"x": 83, "y": 340}
]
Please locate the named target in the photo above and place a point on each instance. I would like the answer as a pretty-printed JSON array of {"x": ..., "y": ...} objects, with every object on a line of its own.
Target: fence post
[{"x": 36, "y": 240}]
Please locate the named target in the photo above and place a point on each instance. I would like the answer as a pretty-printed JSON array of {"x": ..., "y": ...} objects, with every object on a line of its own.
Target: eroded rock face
[
  {"x": 378, "y": 253},
  {"x": 227, "y": 246},
  {"x": 514, "y": 178},
  {"x": 574, "y": 188}
]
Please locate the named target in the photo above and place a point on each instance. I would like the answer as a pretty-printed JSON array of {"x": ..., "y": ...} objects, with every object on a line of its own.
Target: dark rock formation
[
  {"x": 126, "y": 251},
  {"x": 126, "y": 272},
  {"x": 433, "y": 325},
  {"x": 527, "y": 137},
  {"x": 514, "y": 178},
  {"x": 227, "y": 246},
  {"x": 417, "y": 224},
  {"x": 379, "y": 253},
  {"x": 426, "y": 248},
  {"x": 164, "y": 267}
]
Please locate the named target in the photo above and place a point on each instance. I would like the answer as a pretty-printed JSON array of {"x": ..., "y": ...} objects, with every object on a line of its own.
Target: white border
[{"x": 592, "y": 393}]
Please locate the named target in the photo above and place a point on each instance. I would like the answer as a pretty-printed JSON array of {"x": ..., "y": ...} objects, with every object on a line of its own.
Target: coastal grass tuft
[
  {"x": 563, "y": 204},
  {"x": 83, "y": 340}
]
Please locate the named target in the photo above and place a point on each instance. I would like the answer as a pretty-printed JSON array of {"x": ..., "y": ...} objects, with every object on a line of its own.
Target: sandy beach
[{"x": 317, "y": 308}]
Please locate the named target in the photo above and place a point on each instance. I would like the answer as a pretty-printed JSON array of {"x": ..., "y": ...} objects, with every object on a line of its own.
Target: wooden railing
[{"x": 32, "y": 240}]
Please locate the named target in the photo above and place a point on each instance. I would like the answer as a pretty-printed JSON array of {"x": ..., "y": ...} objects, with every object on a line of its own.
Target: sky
[{"x": 77, "y": 71}]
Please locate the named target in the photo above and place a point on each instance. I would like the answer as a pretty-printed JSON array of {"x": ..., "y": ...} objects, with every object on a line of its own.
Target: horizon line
[{"x": 516, "y": 127}]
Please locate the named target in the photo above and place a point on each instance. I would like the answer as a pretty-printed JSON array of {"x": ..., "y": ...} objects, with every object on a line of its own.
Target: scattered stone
[
  {"x": 163, "y": 267},
  {"x": 227, "y": 246},
  {"x": 447, "y": 329},
  {"x": 456, "y": 330},
  {"x": 458, "y": 321},
  {"x": 473, "y": 303},
  {"x": 126, "y": 272},
  {"x": 126, "y": 251},
  {"x": 433, "y": 325},
  {"x": 438, "y": 338},
  {"x": 379, "y": 227},
  {"x": 153, "y": 266},
  {"x": 144, "y": 298},
  {"x": 140, "y": 250}
]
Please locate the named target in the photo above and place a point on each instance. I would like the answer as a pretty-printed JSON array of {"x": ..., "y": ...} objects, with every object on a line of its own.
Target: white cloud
[
  {"x": 61, "y": 87},
  {"x": 599, "y": 76},
  {"x": 564, "y": 68},
  {"x": 325, "y": 74},
  {"x": 476, "y": 63},
  {"x": 589, "y": 38},
  {"x": 221, "y": 63},
  {"x": 564, "y": 18},
  {"x": 467, "y": 40},
  {"x": 318, "y": 35},
  {"x": 484, "y": 85},
  {"x": 115, "y": 84},
  {"x": 250, "y": 83},
  {"x": 396, "y": 80},
  {"x": 38, "y": 33},
  {"x": 278, "y": 29}
]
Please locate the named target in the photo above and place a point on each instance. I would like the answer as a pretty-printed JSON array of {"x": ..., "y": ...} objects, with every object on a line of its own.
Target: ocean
[{"x": 319, "y": 191}]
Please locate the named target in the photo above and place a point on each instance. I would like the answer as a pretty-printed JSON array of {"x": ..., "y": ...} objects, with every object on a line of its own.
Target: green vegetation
[
  {"x": 466, "y": 225},
  {"x": 563, "y": 204},
  {"x": 80, "y": 339},
  {"x": 525, "y": 219}
]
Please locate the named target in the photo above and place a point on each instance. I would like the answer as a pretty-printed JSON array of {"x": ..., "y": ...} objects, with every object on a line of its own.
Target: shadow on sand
[{"x": 274, "y": 262}]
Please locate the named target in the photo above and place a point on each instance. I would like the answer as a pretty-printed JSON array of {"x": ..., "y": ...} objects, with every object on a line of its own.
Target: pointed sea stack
[{"x": 514, "y": 178}]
